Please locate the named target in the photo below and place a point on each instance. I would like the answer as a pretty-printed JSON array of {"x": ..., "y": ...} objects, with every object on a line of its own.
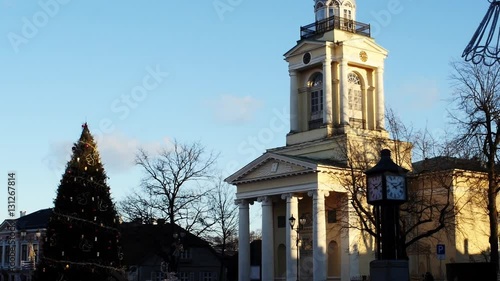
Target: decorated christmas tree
[{"x": 82, "y": 240}]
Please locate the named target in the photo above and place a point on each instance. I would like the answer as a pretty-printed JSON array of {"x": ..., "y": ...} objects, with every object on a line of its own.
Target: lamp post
[
  {"x": 386, "y": 191},
  {"x": 302, "y": 221},
  {"x": 176, "y": 248}
]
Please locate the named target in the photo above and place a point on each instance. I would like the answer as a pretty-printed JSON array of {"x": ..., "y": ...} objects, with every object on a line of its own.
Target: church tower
[
  {"x": 336, "y": 79},
  {"x": 336, "y": 126}
]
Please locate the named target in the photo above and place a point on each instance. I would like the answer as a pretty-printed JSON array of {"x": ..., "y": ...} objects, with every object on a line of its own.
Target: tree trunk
[{"x": 493, "y": 217}]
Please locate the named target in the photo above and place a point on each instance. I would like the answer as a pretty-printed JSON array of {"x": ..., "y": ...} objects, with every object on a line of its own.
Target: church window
[
  {"x": 315, "y": 86},
  {"x": 320, "y": 11},
  {"x": 355, "y": 97},
  {"x": 348, "y": 20},
  {"x": 332, "y": 216},
  {"x": 281, "y": 222}
]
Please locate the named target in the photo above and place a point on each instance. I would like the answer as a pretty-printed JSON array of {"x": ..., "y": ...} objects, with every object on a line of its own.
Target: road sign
[{"x": 441, "y": 251}]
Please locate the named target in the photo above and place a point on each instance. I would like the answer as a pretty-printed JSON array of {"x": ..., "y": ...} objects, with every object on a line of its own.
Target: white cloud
[
  {"x": 233, "y": 109},
  {"x": 117, "y": 152}
]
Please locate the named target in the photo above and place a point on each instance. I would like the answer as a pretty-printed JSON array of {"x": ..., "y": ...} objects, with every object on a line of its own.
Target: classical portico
[
  {"x": 287, "y": 186},
  {"x": 336, "y": 106}
]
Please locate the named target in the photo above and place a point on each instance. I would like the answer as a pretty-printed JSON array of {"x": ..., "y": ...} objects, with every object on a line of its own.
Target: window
[
  {"x": 320, "y": 11},
  {"x": 24, "y": 252},
  {"x": 207, "y": 276},
  {"x": 6, "y": 255},
  {"x": 186, "y": 276},
  {"x": 332, "y": 216},
  {"x": 35, "y": 252},
  {"x": 355, "y": 97},
  {"x": 157, "y": 276},
  {"x": 186, "y": 254},
  {"x": 281, "y": 221},
  {"x": 315, "y": 86}
]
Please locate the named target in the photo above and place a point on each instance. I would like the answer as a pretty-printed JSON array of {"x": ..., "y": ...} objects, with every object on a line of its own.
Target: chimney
[{"x": 22, "y": 214}]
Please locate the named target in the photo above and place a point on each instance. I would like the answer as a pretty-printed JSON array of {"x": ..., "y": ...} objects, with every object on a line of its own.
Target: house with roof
[
  {"x": 20, "y": 244},
  {"x": 150, "y": 250}
]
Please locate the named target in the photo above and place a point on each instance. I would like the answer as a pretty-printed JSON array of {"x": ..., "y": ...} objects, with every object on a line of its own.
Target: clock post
[{"x": 386, "y": 191}]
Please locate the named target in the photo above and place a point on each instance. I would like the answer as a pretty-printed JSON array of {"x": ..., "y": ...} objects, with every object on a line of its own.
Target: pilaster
[{"x": 294, "y": 104}]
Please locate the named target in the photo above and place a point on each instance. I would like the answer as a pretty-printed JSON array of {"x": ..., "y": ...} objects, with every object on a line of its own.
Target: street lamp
[
  {"x": 176, "y": 248},
  {"x": 302, "y": 221}
]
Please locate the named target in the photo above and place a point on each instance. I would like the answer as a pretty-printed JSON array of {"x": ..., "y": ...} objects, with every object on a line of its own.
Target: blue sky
[{"x": 209, "y": 71}]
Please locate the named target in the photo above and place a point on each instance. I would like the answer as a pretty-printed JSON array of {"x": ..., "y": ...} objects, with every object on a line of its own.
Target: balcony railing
[{"x": 334, "y": 22}]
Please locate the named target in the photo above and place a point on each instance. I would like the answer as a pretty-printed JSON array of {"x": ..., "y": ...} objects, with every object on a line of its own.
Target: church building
[
  {"x": 336, "y": 104},
  {"x": 310, "y": 190}
]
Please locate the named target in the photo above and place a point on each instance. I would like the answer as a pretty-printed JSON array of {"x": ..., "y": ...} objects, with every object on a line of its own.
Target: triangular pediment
[
  {"x": 303, "y": 47},
  {"x": 7, "y": 225},
  {"x": 271, "y": 166},
  {"x": 366, "y": 44}
]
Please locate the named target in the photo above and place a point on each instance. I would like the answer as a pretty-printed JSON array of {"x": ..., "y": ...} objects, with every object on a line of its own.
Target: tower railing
[{"x": 334, "y": 22}]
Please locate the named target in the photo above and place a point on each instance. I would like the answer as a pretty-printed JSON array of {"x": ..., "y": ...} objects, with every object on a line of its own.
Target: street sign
[{"x": 441, "y": 251}]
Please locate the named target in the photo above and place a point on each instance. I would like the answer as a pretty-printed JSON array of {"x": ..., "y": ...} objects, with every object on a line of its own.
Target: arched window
[
  {"x": 334, "y": 9},
  {"x": 333, "y": 259},
  {"x": 355, "y": 97},
  {"x": 320, "y": 11},
  {"x": 348, "y": 16},
  {"x": 315, "y": 86}
]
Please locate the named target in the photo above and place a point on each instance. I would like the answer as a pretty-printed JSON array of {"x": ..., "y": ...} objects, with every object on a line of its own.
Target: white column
[
  {"x": 380, "y": 122},
  {"x": 327, "y": 87},
  {"x": 294, "y": 101},
  {"x": 267, "y": 238},
  {"x": 344, "y": 93},
  {"x": 243, "y": 241},
  {"x": 319, "y": 235},
  {"x": 292, "y": 208}
]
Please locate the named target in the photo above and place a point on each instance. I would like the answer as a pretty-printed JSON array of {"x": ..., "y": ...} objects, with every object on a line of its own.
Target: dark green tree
[{"x": 83, "y": 239}]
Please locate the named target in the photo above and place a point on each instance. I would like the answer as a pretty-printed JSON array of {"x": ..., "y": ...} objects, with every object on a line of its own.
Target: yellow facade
[{"x": 337, "y": 131}]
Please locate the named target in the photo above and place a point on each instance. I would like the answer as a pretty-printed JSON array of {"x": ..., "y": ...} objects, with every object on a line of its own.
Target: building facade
[
  {"x": 20, "y": 245},
  {"x": 337, "y": 108}
]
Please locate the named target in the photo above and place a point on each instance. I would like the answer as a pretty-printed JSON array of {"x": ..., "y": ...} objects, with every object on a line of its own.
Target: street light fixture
[
  {"x": 176, "y": 248},
  {"x": 302, "y": 221}
]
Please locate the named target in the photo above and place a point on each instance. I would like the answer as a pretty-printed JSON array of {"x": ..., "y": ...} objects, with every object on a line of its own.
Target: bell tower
[{"x": 336, "y": 77}]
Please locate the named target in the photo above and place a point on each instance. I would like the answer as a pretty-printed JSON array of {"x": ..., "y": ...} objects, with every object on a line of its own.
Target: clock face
[
  {"x": 306, "y": 58},
  {"x": 374, "y": 188},
  {"x": 395, "y": 187}
]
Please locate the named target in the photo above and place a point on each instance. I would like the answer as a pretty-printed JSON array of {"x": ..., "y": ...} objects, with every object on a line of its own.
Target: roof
[
  {"x": 141, "y": 241},
  {"x": 35, "y": 220},
  {"x": 443, "y": 163}
]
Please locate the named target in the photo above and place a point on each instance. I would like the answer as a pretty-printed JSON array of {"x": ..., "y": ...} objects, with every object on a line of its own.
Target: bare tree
[
  {"x": 175, "y": 185},
  {"x": 477, "y": 114},
  {"x": 430, "y": 209},
  {"x": 223, "y": 213},
  {"x": 138, "y": 207}
]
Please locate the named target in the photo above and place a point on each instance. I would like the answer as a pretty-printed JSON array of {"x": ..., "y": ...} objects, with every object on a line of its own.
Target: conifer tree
[{"x": 83, "y": 239}]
